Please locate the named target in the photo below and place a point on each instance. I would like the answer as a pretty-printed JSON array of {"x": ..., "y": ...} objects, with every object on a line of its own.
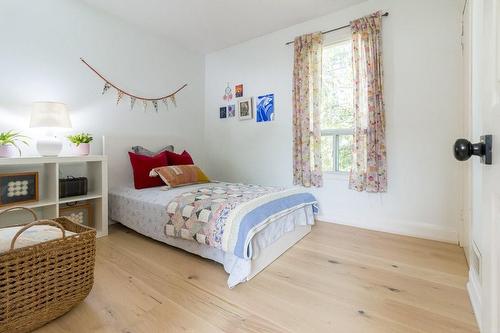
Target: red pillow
[
  {"x": 179, "y": 159},
  {"x": 142, "y": 165}
]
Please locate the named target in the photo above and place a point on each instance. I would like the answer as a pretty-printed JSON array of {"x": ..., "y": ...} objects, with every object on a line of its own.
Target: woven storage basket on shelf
[{"x": 42, "y": 282}]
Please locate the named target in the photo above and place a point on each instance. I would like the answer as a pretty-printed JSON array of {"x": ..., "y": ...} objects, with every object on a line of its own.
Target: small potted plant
[
  {"x": 81, "y": 143},
  {"x": 9, "y": 143}
]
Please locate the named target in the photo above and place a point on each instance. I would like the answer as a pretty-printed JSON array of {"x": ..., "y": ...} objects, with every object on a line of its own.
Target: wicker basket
[{"x": 42, "y": 282}]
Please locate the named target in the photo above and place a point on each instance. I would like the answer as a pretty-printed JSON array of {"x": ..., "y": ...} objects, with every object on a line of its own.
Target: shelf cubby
[{"x": 50, "y": 170}]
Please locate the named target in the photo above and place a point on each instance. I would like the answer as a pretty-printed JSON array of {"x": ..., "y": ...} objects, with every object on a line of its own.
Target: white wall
[
  {"x": 41, "y": 43},
  {"x": 423, "y": 75}
]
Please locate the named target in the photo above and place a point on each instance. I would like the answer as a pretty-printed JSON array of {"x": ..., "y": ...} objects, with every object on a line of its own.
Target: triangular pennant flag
[
  {"x": 132, "y": 102},
  {"x": 145, "y": 105},
  {"x": 165, "y": 101},
  {"x": 119, "y": 97},
  {"x": 172, "y": 98},
  {"x": 155, "y": 104},
  {"x": 106, "y": 87}
]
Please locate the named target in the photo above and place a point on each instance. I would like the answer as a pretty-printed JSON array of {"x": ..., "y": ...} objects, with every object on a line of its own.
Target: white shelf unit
[{"x": 50, "y": 170}]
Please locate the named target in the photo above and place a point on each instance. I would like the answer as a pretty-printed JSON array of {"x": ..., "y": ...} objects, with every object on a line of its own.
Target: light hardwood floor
[{"x": 337, "y": 279}]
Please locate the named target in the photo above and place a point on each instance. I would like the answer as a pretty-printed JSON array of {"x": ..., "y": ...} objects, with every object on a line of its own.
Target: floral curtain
[
  {"x": 368, "y": 171},
  {"x": 306, "y": 110}
]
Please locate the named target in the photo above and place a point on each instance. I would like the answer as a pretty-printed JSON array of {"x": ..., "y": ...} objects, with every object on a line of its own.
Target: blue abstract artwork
[{"x": 265, "y": 108}]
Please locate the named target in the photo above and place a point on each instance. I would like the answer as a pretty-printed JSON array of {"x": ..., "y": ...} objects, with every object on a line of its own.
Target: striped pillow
[{"x": 180, "y": 175}]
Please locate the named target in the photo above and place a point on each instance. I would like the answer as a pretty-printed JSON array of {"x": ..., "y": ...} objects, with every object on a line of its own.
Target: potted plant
[
  {"x": 9, "y": 143},
  {"x": 81, "y": 143}
]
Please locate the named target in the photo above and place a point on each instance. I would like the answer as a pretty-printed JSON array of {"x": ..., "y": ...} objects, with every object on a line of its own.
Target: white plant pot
[
  {"x": 83, "y": 149},
  {"x": 49, "y": 146},
  {"x": 8, "y": 151}
]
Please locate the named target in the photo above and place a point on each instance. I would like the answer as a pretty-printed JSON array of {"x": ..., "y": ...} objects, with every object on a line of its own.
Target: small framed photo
[
  {"x": 223, "y": 112},
  {"x": 231, "y": 111},
  {"x": 238, "y": 90},
  {"x": 16, "y": 188},
  {"x": 245, "y": 109},
  {"x": 79, "y": 213},
  {"x": 264, "y": 110}
]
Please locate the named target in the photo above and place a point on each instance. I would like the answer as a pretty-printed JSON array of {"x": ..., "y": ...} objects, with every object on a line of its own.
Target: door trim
[{"x": 474, "y": 289}]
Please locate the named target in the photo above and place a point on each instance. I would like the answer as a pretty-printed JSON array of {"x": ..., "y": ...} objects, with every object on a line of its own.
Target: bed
[{"x": 264, "y": 227}]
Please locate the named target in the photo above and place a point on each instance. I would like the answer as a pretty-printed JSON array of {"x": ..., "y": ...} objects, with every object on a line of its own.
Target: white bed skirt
[{"x": 144, "y": 211}]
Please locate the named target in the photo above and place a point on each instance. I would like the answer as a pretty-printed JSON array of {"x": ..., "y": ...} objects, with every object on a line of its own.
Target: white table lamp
[{"x": 51, "y": 117}]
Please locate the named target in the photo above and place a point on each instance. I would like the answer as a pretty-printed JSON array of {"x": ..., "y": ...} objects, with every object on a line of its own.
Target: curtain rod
[{"x": 336, "y": 29}]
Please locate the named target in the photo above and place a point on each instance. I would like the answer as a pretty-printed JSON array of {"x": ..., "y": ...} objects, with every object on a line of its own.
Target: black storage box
[{"x": 72, "y": 186}]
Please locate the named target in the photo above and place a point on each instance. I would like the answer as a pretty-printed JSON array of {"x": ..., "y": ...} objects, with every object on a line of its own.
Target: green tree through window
[{"x": 337, "y": 116}]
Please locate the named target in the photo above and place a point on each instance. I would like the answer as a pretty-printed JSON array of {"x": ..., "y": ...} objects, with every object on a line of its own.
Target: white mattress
[{"x": 145, "y": 212}]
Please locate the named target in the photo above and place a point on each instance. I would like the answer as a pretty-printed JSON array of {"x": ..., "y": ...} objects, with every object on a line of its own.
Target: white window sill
[{"x": 336, "y": 175}]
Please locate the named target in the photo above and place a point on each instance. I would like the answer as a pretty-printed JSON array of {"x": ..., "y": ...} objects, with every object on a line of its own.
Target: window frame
[{"x": 336, "y": 132}]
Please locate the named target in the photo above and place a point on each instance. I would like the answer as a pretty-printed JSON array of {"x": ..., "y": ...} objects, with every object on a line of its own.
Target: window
[{"x": 337, "y": 110}]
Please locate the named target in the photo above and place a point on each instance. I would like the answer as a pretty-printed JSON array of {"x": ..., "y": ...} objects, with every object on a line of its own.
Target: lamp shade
[{"x": 50, "y": 115}]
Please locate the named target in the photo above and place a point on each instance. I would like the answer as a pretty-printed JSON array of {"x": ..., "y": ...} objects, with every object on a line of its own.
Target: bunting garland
[
  {"x": 133, "y": 98},
  {"x": 106, "y": 87},
  {"x": 119, "y": 97},
  {"x": 165, "y": 101}
]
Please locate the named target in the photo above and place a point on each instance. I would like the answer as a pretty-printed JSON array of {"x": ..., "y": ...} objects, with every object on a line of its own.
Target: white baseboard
[
  {"x": 474, "y": 290},
  {"x": 420, "y": 230}
]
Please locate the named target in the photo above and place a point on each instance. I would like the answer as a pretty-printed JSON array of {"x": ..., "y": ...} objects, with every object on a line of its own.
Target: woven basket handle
[
  {"x": 35, "y": 217},
  {"x": 26, "y": 227}
]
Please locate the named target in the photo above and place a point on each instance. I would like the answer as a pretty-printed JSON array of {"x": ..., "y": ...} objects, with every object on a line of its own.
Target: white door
[{"x": 484, "y": 230}]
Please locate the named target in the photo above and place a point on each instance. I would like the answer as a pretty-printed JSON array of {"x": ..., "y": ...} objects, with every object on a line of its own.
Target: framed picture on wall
[
  {"x": 80, "y": 213},
  {"x": 265, "y": 108},
  {"x": 231, "y": 111},
  {"x": 16, "y": 188},
  {"x": 245, "y": 109},
  {"x": 223, "y": 112},
  {"x": 238, "y": 90}
]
